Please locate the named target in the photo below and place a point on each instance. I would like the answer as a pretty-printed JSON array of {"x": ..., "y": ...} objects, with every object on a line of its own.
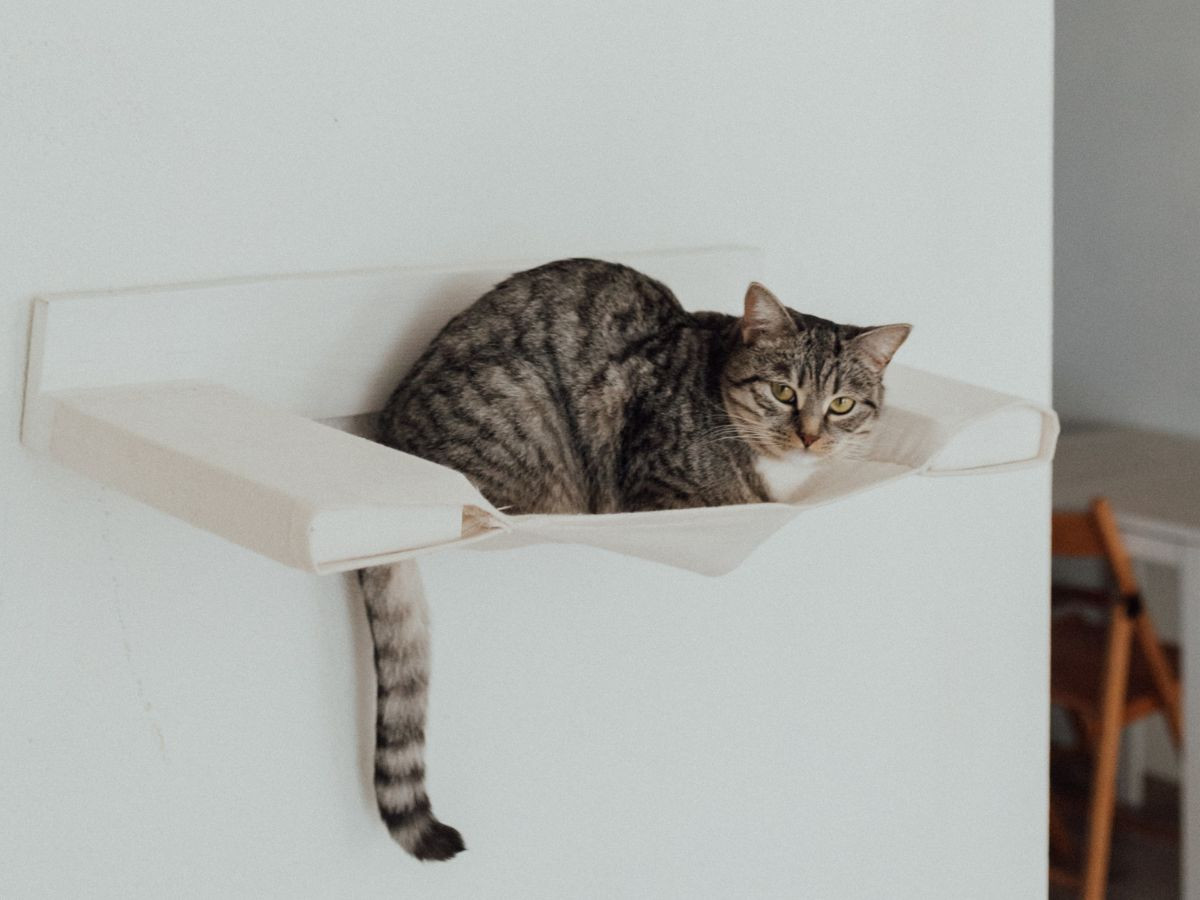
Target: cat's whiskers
[{"x": 757, "y": 433}]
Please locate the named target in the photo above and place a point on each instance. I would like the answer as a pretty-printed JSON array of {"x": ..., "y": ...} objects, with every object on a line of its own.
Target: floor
[{"x": 1145, "y": 858}]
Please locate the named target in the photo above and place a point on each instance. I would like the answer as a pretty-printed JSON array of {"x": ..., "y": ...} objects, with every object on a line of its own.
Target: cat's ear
[
  {"x": 877, "y": 346},
  {"x": 764, "y": 316}
]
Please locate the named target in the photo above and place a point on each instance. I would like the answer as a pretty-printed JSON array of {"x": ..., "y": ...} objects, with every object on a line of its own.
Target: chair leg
[
  {"x": 1166, "y": 682},
  {"x": 1104, "y": 778}
]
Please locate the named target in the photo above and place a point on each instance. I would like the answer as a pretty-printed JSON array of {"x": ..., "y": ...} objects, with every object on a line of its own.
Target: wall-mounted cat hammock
[{"x": 201, "y": 401}]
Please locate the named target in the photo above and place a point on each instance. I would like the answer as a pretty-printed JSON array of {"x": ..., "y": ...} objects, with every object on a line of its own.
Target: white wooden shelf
[{"x": 201, "y": 400}]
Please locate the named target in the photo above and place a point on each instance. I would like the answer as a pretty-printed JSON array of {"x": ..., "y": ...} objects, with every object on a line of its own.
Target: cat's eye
[
  {"x": 783, "y": 393},
  {"x": 841, "y": 405}
]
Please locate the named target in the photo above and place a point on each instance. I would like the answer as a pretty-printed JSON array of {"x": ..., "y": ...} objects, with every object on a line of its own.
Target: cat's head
[{"x": 799, "y": 383}]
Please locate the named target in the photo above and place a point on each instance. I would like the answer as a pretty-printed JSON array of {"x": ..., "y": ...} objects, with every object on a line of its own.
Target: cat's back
[
  {"x": 568, "y": 300},
  {"x": 567, "y": 321},
  {"x": 531, "y": 378}
]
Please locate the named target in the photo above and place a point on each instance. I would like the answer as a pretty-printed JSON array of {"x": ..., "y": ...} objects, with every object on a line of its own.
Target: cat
[{"x": 584, "y": 386}]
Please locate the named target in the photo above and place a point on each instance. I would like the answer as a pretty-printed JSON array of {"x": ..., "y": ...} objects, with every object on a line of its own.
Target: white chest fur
[{"x": 784, "y": 475}]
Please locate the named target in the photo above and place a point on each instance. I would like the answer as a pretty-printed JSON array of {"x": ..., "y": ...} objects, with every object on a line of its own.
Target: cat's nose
[{"x": 808, "y": 439}]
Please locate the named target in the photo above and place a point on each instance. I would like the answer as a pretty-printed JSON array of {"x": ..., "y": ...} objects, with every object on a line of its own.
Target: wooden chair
[{"x": 1105, "y": 673}]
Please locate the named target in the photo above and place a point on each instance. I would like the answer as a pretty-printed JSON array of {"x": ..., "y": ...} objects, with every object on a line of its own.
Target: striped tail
[{"x": 399, "y": 620}]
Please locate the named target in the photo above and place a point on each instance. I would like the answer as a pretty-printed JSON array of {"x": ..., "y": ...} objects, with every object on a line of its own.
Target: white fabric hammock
[{"x": 322, "y": 500}]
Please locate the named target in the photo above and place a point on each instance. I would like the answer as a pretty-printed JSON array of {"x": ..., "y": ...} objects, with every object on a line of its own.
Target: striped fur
[
  {"x": 399, "y": 622},
  {"x": 584, "y": 386}
]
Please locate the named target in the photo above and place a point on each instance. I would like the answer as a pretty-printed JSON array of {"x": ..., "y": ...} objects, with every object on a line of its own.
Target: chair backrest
[{"x": 1094, "y": 534}]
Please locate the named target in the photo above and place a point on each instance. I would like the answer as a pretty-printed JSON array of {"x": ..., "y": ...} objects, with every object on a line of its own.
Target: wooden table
[{"x": 1153, "y": 481}]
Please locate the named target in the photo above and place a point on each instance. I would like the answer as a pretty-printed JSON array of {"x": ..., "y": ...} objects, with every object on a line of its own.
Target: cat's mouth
[
  {"x": 818, "y": 449},
  {"x": 792, "y": 447}
]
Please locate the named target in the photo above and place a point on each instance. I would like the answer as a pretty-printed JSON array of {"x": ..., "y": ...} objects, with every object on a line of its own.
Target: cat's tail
[{"x": 399, "y": 618}]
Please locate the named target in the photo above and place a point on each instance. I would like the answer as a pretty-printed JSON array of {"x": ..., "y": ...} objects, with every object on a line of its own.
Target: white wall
[
  {"x": 859, "y": 711},
  {"x": 1127, "y": 213}
]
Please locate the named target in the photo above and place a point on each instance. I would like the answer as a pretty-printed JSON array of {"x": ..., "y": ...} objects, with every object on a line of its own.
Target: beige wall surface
[
  {"x": 1127, "y": 234},
  {"x": 1127, "y": 213}
]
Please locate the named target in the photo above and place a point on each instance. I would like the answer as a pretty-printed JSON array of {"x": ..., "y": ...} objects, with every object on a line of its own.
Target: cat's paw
[{"x": 438, "y": 842}]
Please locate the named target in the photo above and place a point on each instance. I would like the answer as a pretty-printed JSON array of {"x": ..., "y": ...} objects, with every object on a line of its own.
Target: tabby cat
[{"x": 583, "y": 386}]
